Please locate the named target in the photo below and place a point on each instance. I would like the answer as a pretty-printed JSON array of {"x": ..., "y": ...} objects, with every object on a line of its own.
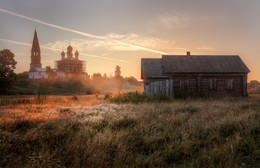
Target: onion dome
[
  {"x": 76, "y": 53},
  {"x": 63, "y": 54},
  {"x": 69, "y": 48}
]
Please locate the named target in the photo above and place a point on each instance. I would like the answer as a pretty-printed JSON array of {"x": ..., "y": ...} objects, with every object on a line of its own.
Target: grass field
[{"x": 82, "y": 131}]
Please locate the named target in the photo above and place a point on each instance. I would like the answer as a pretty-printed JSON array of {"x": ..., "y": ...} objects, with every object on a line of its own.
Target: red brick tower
[{"x": 35, "y": 53}]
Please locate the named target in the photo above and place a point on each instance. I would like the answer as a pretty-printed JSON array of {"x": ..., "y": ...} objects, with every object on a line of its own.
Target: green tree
[
  {"x": 7, "y": 75},
  {"x": 7, "y": 63}
]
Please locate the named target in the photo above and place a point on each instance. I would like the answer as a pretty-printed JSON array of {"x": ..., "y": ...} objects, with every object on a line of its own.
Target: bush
[
  {"x": 135, "y": 97},
  {"x": 6, "y": 84},
  {"x": 108, "y": 96}
]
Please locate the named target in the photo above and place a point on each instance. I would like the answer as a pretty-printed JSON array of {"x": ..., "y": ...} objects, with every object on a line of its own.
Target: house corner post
[{"x": 245, "y": 85}]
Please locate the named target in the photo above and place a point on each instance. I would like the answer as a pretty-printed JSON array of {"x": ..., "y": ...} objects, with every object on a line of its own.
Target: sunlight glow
[{"x": 79, "y": 32}]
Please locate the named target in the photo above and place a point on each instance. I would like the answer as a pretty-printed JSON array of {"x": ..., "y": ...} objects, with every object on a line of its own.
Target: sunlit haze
[{"x": 121, "y": 32}]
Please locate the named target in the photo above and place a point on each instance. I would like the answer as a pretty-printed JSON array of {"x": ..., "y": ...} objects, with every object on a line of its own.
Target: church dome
[
  {"x": 76, "y": 53},
  {"x": 69, "y": 48},
  {"x": 62, "y": 53}
]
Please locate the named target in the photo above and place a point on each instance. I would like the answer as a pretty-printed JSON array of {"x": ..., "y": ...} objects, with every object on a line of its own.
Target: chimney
[{"x": 188, "y": 54}]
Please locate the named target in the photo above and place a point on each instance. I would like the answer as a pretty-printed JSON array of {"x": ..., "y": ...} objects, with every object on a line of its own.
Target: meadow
[{"x": 91, "y": 131}]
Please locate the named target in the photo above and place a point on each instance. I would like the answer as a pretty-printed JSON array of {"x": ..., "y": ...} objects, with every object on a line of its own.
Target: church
[{"x": 64, "y": 68}]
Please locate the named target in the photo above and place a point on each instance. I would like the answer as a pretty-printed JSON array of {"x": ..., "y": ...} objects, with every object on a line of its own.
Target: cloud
[
  {"x": 177, "y": 20},
  {"x": 93, "y": 45},
  {"x": 82, "y": 33},
  {"x": 205, "y": 48}
]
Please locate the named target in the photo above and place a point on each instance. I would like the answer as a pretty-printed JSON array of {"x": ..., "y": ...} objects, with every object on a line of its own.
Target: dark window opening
[
  {"x": 212, "y": 84},
  {"x": 184, "y": 85},
  {"x": 181, "y": 85},
  {"x": 230, "y": 84}
]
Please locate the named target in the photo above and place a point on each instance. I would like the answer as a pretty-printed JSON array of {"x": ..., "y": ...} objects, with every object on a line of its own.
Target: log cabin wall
[
  {"x": 209, "y": 84},
  {"x": 160, "y": 86}
]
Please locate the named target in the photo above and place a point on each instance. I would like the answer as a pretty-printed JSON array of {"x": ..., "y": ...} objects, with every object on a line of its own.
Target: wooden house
[{"x": 176, "y": 75}]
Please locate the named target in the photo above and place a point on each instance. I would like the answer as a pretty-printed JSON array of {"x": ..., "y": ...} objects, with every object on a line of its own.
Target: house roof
[
  {"x": 151, "y": 67},
  {"x": 195, "y": 64}
]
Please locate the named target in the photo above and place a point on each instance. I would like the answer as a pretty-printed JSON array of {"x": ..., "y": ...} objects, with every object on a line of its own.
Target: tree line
[{"x": 20, "y": 84}]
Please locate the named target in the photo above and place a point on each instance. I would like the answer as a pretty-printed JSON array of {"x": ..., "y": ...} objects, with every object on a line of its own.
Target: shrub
[
  {"x": 108, "y": 96},
  {"x": 135, "y": 97}
]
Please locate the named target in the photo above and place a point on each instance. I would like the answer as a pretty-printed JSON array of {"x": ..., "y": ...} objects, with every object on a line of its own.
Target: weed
[
  {"x": 135, "y": 142},
  {"x": 227, "y": 129},
  {"x": 66, "y": 110},
  {"x": 39, "y": 99},
  {"x": 135, "y": 97},
  {"x": 108, "y": 95},
  {"x": 188, "y": 109},
  {"x": 123, "y": 123},
  {"x": 75, "y": 98},
  {"x": 100, "y": 125},
  {"x": 22, "y": 125},
  {"x": 250, "y": 106}
]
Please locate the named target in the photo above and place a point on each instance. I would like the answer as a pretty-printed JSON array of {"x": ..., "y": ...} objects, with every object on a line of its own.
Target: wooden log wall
[
  {"x": 201, "y": 86},
  {"x": 160, "y": 87}
]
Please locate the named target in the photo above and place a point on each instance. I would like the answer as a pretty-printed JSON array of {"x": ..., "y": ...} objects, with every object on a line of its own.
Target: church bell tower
[{"x": 35, "y": 53}]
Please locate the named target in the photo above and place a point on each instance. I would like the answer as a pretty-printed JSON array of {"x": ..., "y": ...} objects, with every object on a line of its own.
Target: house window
[
  {"x": 188, "y": 84},
  {"x": 230, "y": 84},
  {"x": 184, "y": 85},
  {"x": 181, "y": 84},
  {"x": 212, "y": 84}
]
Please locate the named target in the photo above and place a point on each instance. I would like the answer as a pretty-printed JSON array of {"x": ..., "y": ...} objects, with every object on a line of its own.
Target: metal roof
[{"x": 152, "y": 68}]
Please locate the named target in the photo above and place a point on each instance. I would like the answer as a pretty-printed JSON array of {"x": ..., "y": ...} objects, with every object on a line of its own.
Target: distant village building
[
  {"x": 177, "y": 75},
  {"x": 64, "y": 67}
]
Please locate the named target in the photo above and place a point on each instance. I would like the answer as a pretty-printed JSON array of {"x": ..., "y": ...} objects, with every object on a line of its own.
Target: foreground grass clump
[
  {"x": 181, "y": 133},
  {"x": 135, "y": 97}
]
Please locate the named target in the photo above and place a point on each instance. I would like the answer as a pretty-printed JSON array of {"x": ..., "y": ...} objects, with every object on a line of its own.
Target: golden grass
[{"x": 89, "y": 132}]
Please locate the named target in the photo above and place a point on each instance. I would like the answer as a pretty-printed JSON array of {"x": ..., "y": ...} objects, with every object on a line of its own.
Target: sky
[{"x": 107, "y": 33}]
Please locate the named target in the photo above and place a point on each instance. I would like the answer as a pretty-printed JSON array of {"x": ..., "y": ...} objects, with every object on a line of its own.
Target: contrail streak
[
  {"x": 56, "y": 49},
  {"x": 79, "y": 32}
]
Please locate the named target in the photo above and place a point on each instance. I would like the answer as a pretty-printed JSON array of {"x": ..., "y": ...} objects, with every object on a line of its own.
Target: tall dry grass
[{"x": 81, "y": 132}]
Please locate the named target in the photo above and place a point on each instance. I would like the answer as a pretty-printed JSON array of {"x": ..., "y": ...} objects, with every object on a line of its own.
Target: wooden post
[
  {"x": 171, "y": 89},
  {"x": 168, "y": 87},
  {"x": 245, "y": 85},
  {"x": 198, "y": 85}
]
